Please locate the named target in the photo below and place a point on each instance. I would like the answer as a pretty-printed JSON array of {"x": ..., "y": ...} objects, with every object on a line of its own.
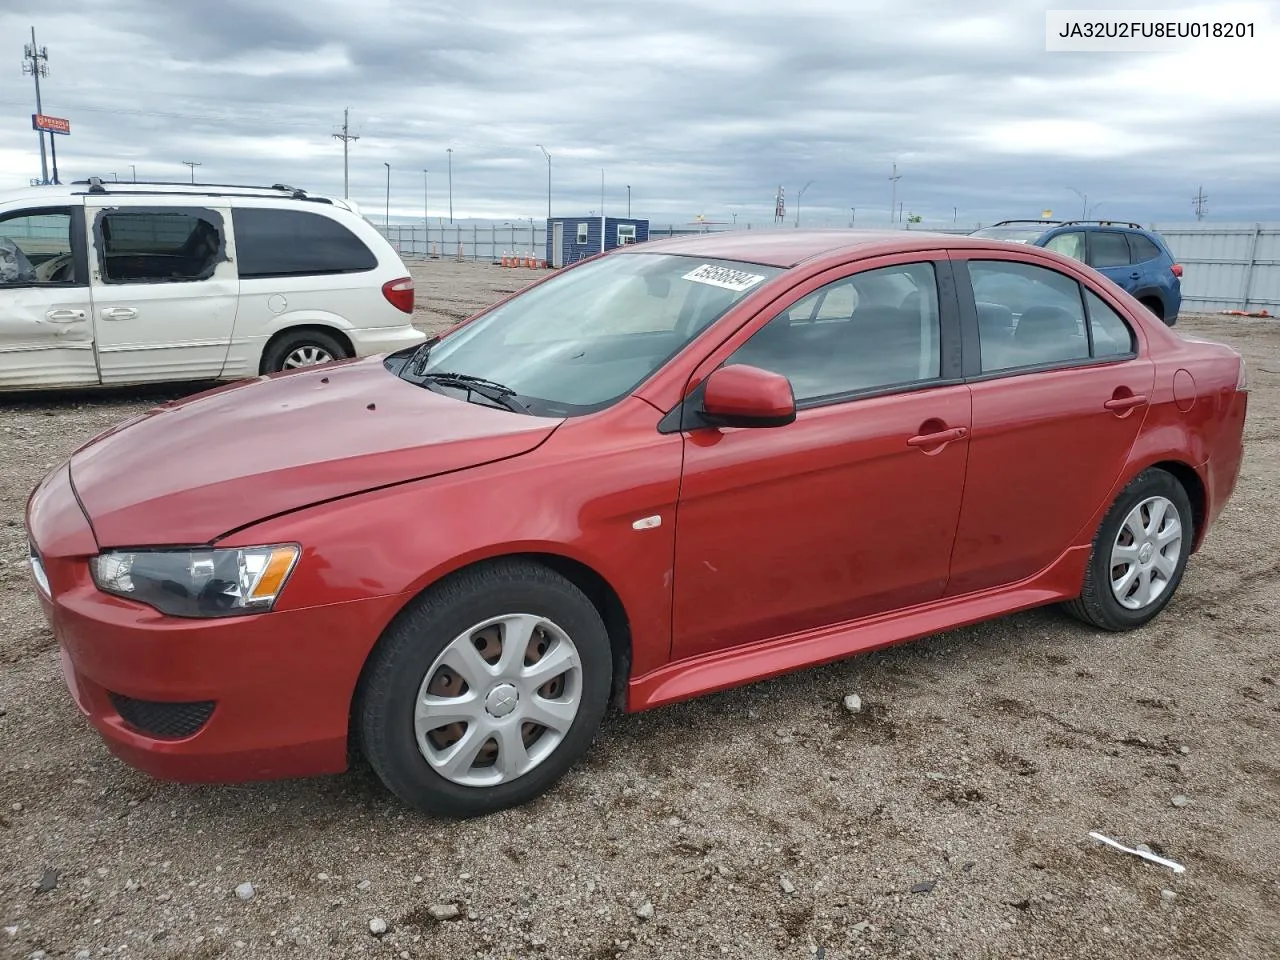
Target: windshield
[
  {"x": 1012, "y": 234},
  {"x": 588, "y": 337}
]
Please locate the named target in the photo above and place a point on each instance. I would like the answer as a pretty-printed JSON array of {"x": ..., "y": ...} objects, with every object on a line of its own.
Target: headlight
[{"x": 200, "y": 582}]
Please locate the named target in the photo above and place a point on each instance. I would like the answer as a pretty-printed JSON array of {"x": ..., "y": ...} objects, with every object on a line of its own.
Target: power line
[{"x": 347, "y": 137}]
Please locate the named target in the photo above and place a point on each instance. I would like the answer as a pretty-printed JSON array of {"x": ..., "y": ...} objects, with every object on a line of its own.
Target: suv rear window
[{"x": 290, "y": 243}]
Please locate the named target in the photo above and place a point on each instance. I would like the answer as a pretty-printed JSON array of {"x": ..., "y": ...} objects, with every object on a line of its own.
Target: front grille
[{"x": 159, "y": 719}]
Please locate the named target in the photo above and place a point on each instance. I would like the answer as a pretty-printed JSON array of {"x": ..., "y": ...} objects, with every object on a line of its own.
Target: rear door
[
  {"x": 1109, "y": 254},
  {"x": 165, "y": 289},
  {"x": 46, "y": 320},
  {"x": 1059, "y": 396}
]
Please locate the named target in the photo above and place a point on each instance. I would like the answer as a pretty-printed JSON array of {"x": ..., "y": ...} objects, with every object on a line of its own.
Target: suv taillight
[
  {"x": 399, "y": 293},
  {"x": 1177, "y": 270}
]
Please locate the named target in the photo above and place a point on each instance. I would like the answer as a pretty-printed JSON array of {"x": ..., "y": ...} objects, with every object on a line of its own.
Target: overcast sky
[{"x": 701, "y": 106}]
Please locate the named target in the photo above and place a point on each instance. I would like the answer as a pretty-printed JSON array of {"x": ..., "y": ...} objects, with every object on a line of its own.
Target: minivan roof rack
[
  {"x": 97, "y": 185},
  {"x": 1103, "y": 223}
]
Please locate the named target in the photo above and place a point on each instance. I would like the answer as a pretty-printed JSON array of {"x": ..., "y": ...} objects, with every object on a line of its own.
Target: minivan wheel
[
  {"x": 302, "y": 348},
  {"x": 485, "y": 690},
  {"x": 1139, "y": 554}
]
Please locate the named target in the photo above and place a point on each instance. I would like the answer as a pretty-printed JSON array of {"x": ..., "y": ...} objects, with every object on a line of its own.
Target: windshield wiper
[
  {"x": 489, "y": 389},
  {"x": 418, "y": 359}
]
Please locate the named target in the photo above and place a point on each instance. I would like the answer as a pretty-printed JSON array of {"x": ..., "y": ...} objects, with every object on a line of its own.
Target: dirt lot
[{"x": 761, "y": 822}]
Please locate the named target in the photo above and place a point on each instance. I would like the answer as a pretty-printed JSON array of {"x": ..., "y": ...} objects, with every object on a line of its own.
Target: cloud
[{"x": 700, "y": 106}]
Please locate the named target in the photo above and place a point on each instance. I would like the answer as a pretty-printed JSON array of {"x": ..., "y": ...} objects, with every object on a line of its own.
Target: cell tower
[{"x": 35, "y": 61}]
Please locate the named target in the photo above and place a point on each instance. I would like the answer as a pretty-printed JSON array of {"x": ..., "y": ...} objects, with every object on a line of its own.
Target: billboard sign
[{"x": 40, "y": 121}]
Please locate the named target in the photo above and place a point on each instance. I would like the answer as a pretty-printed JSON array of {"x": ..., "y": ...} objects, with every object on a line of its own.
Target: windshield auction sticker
[{"x": 723, "y": 277}]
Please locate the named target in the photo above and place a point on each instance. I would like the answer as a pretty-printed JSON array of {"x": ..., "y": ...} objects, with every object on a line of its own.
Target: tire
[
  {"x": 301, "y": 343},
  {"x": 1154, "y": 305},
  {"x": 416, "y": 655},
  {"x": 1099, "y": 603}
]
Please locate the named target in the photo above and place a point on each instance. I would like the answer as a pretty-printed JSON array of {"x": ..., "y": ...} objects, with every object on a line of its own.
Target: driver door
[{"x": 46, "y": 314}]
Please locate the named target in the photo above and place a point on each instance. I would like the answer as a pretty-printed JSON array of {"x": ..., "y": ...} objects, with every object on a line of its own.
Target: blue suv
[{"x": 1136, "y": 259}]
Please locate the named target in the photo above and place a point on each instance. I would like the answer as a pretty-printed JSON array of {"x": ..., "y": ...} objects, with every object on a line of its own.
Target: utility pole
[
  {"x": 388, "y": 213},
  {"x": 346, "y": 137},
  {"x": 893, "y": 195},
  {"x": 192, "y": 164},
  {"x": 548, "y": 156},
  {"x": 1198, "y": 202},
  {"x": 450, "y": 152},
  {"x": 35, "y": 61}
]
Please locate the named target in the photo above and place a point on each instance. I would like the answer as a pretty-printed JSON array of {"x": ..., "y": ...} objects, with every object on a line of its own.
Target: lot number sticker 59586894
[{"x": 725, "y": 277}]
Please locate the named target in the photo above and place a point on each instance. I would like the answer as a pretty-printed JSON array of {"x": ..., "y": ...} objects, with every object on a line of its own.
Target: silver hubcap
[
  {"x": 307, "y": 356},
  {"x": 498, "y": 700},
  {"x": 1145, "y": 554}
]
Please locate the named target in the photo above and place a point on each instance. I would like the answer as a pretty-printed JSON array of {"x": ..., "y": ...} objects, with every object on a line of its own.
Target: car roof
[
  {"x": 63, "y": 192},
  {"x": 790, "y": 248}
]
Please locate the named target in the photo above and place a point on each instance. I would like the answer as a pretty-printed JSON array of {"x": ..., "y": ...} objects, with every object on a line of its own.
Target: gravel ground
[{"x": 948, "y": 818}]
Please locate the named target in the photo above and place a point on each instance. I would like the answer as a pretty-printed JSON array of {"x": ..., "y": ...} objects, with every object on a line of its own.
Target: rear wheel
[
  {"x": 1139, "y": 554},
  {"x": 486, "y": 690},
  {"x": 1154, "y": 305},
  {"x": 302, "y": 348}
]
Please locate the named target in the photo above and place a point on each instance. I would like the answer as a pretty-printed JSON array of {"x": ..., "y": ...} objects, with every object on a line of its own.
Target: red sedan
[{"x": 675, "y": 468}]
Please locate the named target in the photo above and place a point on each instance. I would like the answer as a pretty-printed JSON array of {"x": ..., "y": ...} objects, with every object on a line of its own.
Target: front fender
[{"x": 579, "y": 496}]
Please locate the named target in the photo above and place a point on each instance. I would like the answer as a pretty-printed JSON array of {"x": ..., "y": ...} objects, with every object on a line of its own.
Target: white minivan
[{"x": 124, "y": 283}]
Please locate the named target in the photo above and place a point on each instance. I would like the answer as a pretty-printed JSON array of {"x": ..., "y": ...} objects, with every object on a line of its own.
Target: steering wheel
[{"x": 55, "y": 269}]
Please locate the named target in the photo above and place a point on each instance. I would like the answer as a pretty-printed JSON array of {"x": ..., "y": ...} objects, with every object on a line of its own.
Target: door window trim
[
  {"x": 79, "y": 246},
  {"x": 683, "y": 416},
  {"x": 971, "y": 344}
]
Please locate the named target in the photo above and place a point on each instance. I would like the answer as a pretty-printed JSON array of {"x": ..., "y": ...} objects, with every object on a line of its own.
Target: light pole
[
  {"x": 134, "y": 168},
  {"x": 388, "y": 213},
  {"x": 548, "y": 156},
  {"x": 115, "y": 178},
  {"x": 450, "y": 152},
  {"x": 192, "y": 164},
  {"x": 853, "y": 213},
  {"x": 798, "y": 196},
  {"x": 426, "y": 219},
  {"x": 628, "y": 201},
  {"x": 1084, "y": 202}
]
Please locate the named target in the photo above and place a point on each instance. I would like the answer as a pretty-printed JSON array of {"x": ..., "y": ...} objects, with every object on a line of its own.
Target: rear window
[
  {"x": 1107, "y": 249},
  {"x": 291, "y": 243}
]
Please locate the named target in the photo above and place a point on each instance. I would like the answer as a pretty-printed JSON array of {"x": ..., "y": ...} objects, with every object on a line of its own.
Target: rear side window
[
  {"x": 1143, "y": 249},
  {"x": 1111, "y": 335},
  {"x": 178, "y": 245},
  {"x": 1027, "y": 315},
  {"x": 294, "y": 243},
  {"x": 1107, "y": 249}
]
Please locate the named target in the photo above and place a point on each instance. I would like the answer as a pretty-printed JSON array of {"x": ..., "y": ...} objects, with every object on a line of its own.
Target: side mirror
[{"x": 745, "y": 396}]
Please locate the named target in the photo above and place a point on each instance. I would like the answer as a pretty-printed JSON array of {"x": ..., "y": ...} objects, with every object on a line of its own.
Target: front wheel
[
  {"x": 486, "y": 690},
  {"x": 1139, "y": 554}
]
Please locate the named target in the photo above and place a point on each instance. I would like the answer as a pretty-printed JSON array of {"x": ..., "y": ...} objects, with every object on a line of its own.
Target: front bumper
[{"x": 247, "y": 698}]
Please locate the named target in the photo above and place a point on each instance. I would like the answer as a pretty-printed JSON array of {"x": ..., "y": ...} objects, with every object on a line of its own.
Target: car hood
[{"x": 192, "y": 470}]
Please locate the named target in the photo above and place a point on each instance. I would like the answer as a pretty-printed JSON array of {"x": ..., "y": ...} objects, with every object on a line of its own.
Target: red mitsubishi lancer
[{"x": 675, "y": 468}]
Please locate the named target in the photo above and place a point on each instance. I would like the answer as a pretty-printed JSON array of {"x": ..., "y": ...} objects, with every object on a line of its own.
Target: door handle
[
  {"x": 65, "y": 316},
  {"x": 1120, "y": 404},
  {"x": 119, "y": 313},
  {"x": 940, "y": 436}
]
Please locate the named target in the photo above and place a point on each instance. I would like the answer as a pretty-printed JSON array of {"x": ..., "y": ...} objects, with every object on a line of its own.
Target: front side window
[
  {"x": 1108, "y": 249},
  {"x": 294, "y": 243},
  {"x": 1068, "y": 244},
  {"x": 866, "y": 332},
  {"x": 35, "y": 248},
  {"x": 1027, "y": 315},
  {"x": 159, "y": 246},
  {"x": 591, "y": 335}
]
